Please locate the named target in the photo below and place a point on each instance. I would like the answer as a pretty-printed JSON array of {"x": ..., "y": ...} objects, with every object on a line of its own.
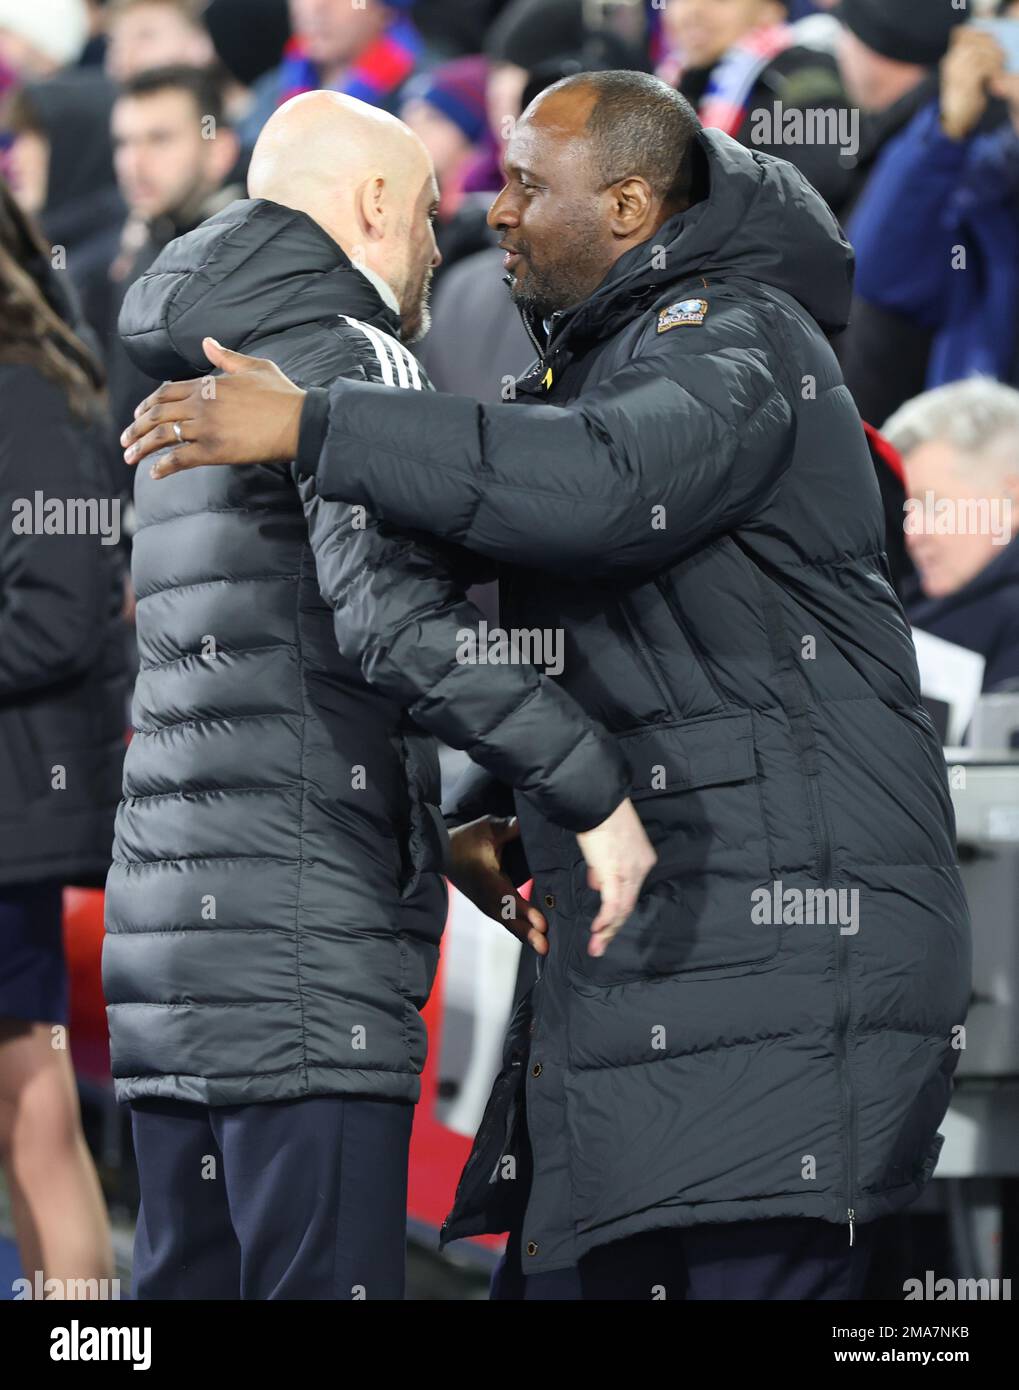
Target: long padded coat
[
  {"x": 702, "y": 520},
  {"x": 63, "y": 652},
  {"x": 275, "y": 904}
]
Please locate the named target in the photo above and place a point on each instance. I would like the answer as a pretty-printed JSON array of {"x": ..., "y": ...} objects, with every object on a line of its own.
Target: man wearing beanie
[
  {"x": 924, "y": 315},
  {"x": 888, "y": 54},
  {"x": 38, "y": 39},
  {"x": 446, "y": 108}
]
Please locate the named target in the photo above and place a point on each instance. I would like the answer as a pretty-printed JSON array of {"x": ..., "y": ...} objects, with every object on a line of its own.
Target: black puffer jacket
[
  {"x": 703, "y": 521},
  {"x": 63, "y": 658},
  {"x": 275, "y": 905}
]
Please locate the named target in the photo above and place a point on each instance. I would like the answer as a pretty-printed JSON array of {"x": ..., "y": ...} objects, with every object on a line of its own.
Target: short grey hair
[{"x": 978, "y": 416}]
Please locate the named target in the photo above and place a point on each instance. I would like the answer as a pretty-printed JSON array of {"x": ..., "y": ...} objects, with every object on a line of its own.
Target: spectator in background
[
  {"x": 38, "y": 37},
  {"x": 35, "y": 42},
  {"x": 62, "y": 718},
  {"x": 249, "y": 37},
  {"x": 458, "y": 28},
  {"x": 368, "y": 51},
  {"x": 937, "y": 239},
  {"x": 888, "y": 52},
  {"x": 93, "y": 54},
  {"x": 171, "y": 173},
  {"x": 446, "y": 108},
  {"x": 61, "y": 168},
  {"x": 960, "y": 448},
  {"x": 735, "y": 59},
  {"x": 145, "y": 34}
]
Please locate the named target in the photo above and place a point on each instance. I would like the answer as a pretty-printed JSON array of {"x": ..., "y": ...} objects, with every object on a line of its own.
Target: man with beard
[
  {"x": 725, "y": 1103},
  {"x": 275, "y": 902},
  {"x": 172, "y": 150}
]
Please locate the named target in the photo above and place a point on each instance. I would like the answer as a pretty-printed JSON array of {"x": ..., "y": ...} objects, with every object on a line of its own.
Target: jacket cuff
[
  {"x": 586, "y": 787},
  {"x": 313, "y": 428}
]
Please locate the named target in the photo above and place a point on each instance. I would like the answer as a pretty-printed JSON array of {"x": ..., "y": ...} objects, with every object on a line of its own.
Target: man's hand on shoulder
[{"x": 250, "y": 414}]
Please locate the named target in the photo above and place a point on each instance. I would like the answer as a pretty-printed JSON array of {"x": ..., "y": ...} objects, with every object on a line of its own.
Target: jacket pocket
[{"x": 696, "y": 789}]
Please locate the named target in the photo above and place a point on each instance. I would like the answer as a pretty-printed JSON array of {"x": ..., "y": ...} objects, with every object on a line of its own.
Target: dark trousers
[
  {"x": 785, "y": 1258},
  {"x": 301, "y": 1199}
]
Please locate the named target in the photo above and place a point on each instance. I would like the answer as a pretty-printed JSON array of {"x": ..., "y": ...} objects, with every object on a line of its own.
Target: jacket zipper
[
  {"x": 533, "y": 337},
  {"x": 842, "y": 985}
]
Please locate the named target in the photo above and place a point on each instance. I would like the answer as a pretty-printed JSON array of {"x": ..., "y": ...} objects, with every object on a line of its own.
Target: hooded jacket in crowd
[
  {"x": 275, "y": 904},
  {"x": 703, "y": 523}
]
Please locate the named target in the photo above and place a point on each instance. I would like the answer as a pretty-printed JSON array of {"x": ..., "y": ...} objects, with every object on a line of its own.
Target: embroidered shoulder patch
[{"x": 685, "y": 311}]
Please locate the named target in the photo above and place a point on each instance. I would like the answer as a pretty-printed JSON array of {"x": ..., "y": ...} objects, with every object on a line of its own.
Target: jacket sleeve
[
  {"x": 402, "y": 618},
  {"x": 54, "y": 589},
  {"x": 684, "y": 442}
]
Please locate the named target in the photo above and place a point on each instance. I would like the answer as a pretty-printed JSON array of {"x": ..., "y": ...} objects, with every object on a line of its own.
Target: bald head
[
  {"x": 361, "y": 174},
  {"x": 320, "y": 148}
]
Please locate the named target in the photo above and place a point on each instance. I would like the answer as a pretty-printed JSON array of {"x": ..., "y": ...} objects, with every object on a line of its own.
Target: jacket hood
[
  {"x": 255, "y": 269},
  {"x": 761, "y": 220}
]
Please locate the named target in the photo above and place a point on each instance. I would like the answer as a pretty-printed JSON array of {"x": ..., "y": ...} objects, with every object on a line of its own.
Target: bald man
[{"x": 276, "y": 901}]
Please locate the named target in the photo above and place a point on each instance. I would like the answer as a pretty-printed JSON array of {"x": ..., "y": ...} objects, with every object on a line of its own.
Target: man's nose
[{"x": 501, "y": 213}]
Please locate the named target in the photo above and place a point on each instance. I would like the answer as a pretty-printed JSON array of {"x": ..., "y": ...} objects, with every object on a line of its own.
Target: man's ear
[
  {"x": 370, "y": 205},
  {"x": 632, "y": 203}
]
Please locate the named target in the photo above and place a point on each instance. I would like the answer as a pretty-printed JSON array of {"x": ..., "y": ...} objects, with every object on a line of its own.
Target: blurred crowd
[{"x": 125, "y": 123}]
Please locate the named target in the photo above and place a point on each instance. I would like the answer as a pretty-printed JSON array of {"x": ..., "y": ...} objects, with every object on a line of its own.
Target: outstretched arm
[{"x": 683, "y": 443}]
